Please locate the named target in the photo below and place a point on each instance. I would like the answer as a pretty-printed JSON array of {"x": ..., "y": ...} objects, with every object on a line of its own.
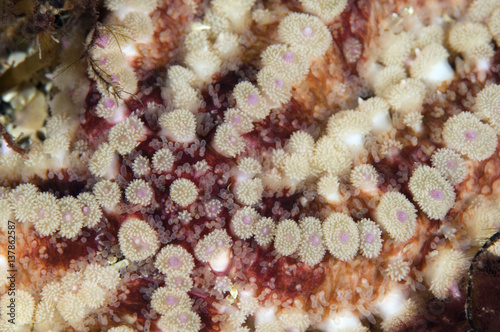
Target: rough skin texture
[{"x": 70, "y": 71}]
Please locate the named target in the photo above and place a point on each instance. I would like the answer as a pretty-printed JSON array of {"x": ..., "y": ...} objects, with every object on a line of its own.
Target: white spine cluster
[
  {"x": 215, "y": 249},
  {"x": 139, "y": 192},
  {"x": 183, "y": 192},
  {"x": 306, "y": 33},
  {"x": 180, "y": 125},
  {"x": 163, "y": 160},
  {"x": 265, "y": 229},
  {"x": 341, "y": 236},
  {"x": 397, "y": 215},
  {"x": 174, "y": 260},
  {"x": 311, "y": 249},
  {"x": 137, "y": 240},
  {"x": 398, "y": 269},
  {"x": 370, "y": 238},
  {"x": 432, "y": 192},
  {"x": 243, "y": 222},
  {"x": 249, "y": 192},
  {"x": 288, "y": 237},
  {"x": 465, "y": 133},
  {"x": 450, "y": 165}
]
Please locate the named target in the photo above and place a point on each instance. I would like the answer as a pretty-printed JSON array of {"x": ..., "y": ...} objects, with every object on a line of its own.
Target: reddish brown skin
[
  {"x": 354, "y": 22},
  {"x": 176, "y": 27}
]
